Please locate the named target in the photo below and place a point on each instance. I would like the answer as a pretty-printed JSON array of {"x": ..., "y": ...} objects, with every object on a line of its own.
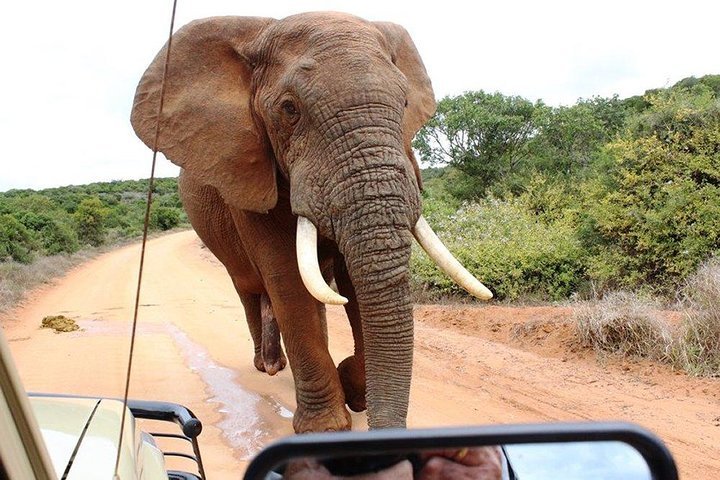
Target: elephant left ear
[{"x": 421, "y": 98}]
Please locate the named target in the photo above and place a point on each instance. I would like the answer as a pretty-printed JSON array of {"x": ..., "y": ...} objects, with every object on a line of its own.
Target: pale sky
[{"x": 69, "y": 68}]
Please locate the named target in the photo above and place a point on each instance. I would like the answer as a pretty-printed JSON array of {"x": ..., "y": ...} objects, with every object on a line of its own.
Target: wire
[{"x": 144, "y": 239}]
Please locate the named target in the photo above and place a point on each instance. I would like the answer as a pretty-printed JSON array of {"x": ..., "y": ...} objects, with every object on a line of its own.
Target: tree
[
  {"x": 569, "y": 137},
  {"x": 710, "y": 81},
  {"x": 89, "y": 220},
  {"x": 483, "y": 135}
]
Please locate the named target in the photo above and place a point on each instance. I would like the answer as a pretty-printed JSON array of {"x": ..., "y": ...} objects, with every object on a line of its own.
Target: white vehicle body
[
  {"x": 82, "y": 436},
  {"x": 46, "y": 437}
]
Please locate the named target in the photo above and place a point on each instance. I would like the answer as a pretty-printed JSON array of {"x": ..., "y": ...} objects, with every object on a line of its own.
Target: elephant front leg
[
  {"x": 319, "y": 394},
  {"x": 273, "y": 358}
]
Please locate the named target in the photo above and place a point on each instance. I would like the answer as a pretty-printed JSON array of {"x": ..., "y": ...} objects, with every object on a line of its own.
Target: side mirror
[{"x": 584, "y": 451}]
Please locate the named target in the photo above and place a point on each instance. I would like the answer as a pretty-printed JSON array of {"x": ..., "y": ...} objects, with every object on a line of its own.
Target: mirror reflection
[
  {"x": 536, "y": 461},
  {"x": 577, "y": 460}
]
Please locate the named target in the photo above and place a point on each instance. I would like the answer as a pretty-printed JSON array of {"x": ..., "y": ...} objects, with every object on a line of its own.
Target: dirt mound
[{"x": 59, "y": 323}]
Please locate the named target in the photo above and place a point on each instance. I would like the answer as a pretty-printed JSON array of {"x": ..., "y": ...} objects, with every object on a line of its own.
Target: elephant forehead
[
  {"x": 316, "y": 34},
  {"x": 324, "y": 22}
]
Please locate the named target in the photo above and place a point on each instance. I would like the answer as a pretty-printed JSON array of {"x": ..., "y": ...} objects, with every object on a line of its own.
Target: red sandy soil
[{"x": 473, "y": 364}]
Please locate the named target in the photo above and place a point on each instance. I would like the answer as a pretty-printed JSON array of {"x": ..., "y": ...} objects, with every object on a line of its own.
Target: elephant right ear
[{"x": 207, "y": 126}]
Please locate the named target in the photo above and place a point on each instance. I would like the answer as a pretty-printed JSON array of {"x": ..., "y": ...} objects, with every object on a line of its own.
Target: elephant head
[{"x": 322, "y": 108}]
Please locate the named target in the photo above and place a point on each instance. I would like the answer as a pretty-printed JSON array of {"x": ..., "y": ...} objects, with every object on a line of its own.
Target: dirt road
[{"x": 473, "y": 365}]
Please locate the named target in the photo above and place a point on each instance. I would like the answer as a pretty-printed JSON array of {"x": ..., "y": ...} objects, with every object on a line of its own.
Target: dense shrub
[
  {"x": 165, "y": 218},
  {"x": 58, "y": 220},
  {"x": 568, "y": 138},
  {"x": 127, "y": 218},
  {"x": 656, "y": 214},
  {"x": 551, "y": 198},
  {"x": 50, "y": 227},
  {"x": 54, "y": 233},
  {"x": 16, "y": 241},
  {"x": 90, "y": 217},
  {"x": 712, "y": 82},
  {"x": 509, "y": 249}
]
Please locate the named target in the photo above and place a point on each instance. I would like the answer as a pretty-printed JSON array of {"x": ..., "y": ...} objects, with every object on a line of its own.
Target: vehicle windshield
[{"x": 566, "y": 156}]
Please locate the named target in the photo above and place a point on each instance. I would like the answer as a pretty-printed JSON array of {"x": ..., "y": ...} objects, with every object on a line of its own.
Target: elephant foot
[
  {"x": 271, "y": 366},
  {"x": 352, "y": 378},
  {"x": 273, "y": 358},
  {"x": 331, "y": 419}
]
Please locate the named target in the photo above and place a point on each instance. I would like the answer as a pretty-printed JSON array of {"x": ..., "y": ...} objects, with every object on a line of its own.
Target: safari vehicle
[
  {"x": 47, "y": 436},
  {"x": 54, "y": 436}
]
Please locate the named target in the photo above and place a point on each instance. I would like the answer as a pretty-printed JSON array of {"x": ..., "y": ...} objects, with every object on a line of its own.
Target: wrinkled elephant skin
[{"x": 310, "y": 116}]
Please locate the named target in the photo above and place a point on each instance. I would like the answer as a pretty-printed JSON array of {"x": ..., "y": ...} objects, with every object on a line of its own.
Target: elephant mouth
[{"x": 314, "y": 282}]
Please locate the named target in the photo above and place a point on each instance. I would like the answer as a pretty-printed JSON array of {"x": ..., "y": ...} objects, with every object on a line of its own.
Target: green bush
[
  {"x": 89, "y": 218},
  {"x": 655, "y": 216},
  {"x": 16, "y": 241},
  {"x": 54, "y": 233},
  {"x": 58, "y": 238},
  {"x": 569, "y": 138},
  {"x": 550, "y": 197},
  {"x": 165, "y": 218},
  {"x": 510, "y": 250}
]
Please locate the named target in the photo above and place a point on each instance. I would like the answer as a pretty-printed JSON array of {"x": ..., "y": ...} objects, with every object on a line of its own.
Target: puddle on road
[
  {"x": 277, "y": 407},
  {"x": 246, "y": 424},
  {"x": 249, "y": 420}
]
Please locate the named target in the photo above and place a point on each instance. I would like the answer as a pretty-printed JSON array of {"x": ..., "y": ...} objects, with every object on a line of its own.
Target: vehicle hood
[{"x": 82, "y": 434}]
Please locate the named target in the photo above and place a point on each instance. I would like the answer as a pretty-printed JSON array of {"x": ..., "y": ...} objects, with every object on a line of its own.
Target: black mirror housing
[{"x": 384, "y": 443}]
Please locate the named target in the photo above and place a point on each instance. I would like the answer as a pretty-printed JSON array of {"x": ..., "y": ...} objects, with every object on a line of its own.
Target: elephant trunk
[
  {"x": 377, "y": 260},
  {"x": 375, "y": 213}
]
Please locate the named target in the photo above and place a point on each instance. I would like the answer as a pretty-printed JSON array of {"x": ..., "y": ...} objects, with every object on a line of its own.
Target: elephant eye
[{"x": 289, "y": 108}]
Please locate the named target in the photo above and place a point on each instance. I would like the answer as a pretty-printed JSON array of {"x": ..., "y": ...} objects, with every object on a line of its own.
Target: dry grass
[
  {"x": 626, "y": 324},
  {"x": 631, "y": 325},
  {"x": 16, "y": 279},
  {"x": 697, "y": 347}
]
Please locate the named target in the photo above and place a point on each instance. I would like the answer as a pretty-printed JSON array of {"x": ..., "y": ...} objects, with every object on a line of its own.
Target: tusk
[
  {"x": 447, "y": 263},
  {"x": 306, "y": 247}
]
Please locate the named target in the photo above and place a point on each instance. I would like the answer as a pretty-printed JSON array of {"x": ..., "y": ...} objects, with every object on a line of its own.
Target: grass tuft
[
  {"x": 697, "y": 348},
  {"x": 626, "y": 324}
]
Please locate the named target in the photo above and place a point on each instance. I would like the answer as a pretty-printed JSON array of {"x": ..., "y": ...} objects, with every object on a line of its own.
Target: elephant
[
  {"x": 264, "y": 330},
  {"x": 294, "y": 142}
]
